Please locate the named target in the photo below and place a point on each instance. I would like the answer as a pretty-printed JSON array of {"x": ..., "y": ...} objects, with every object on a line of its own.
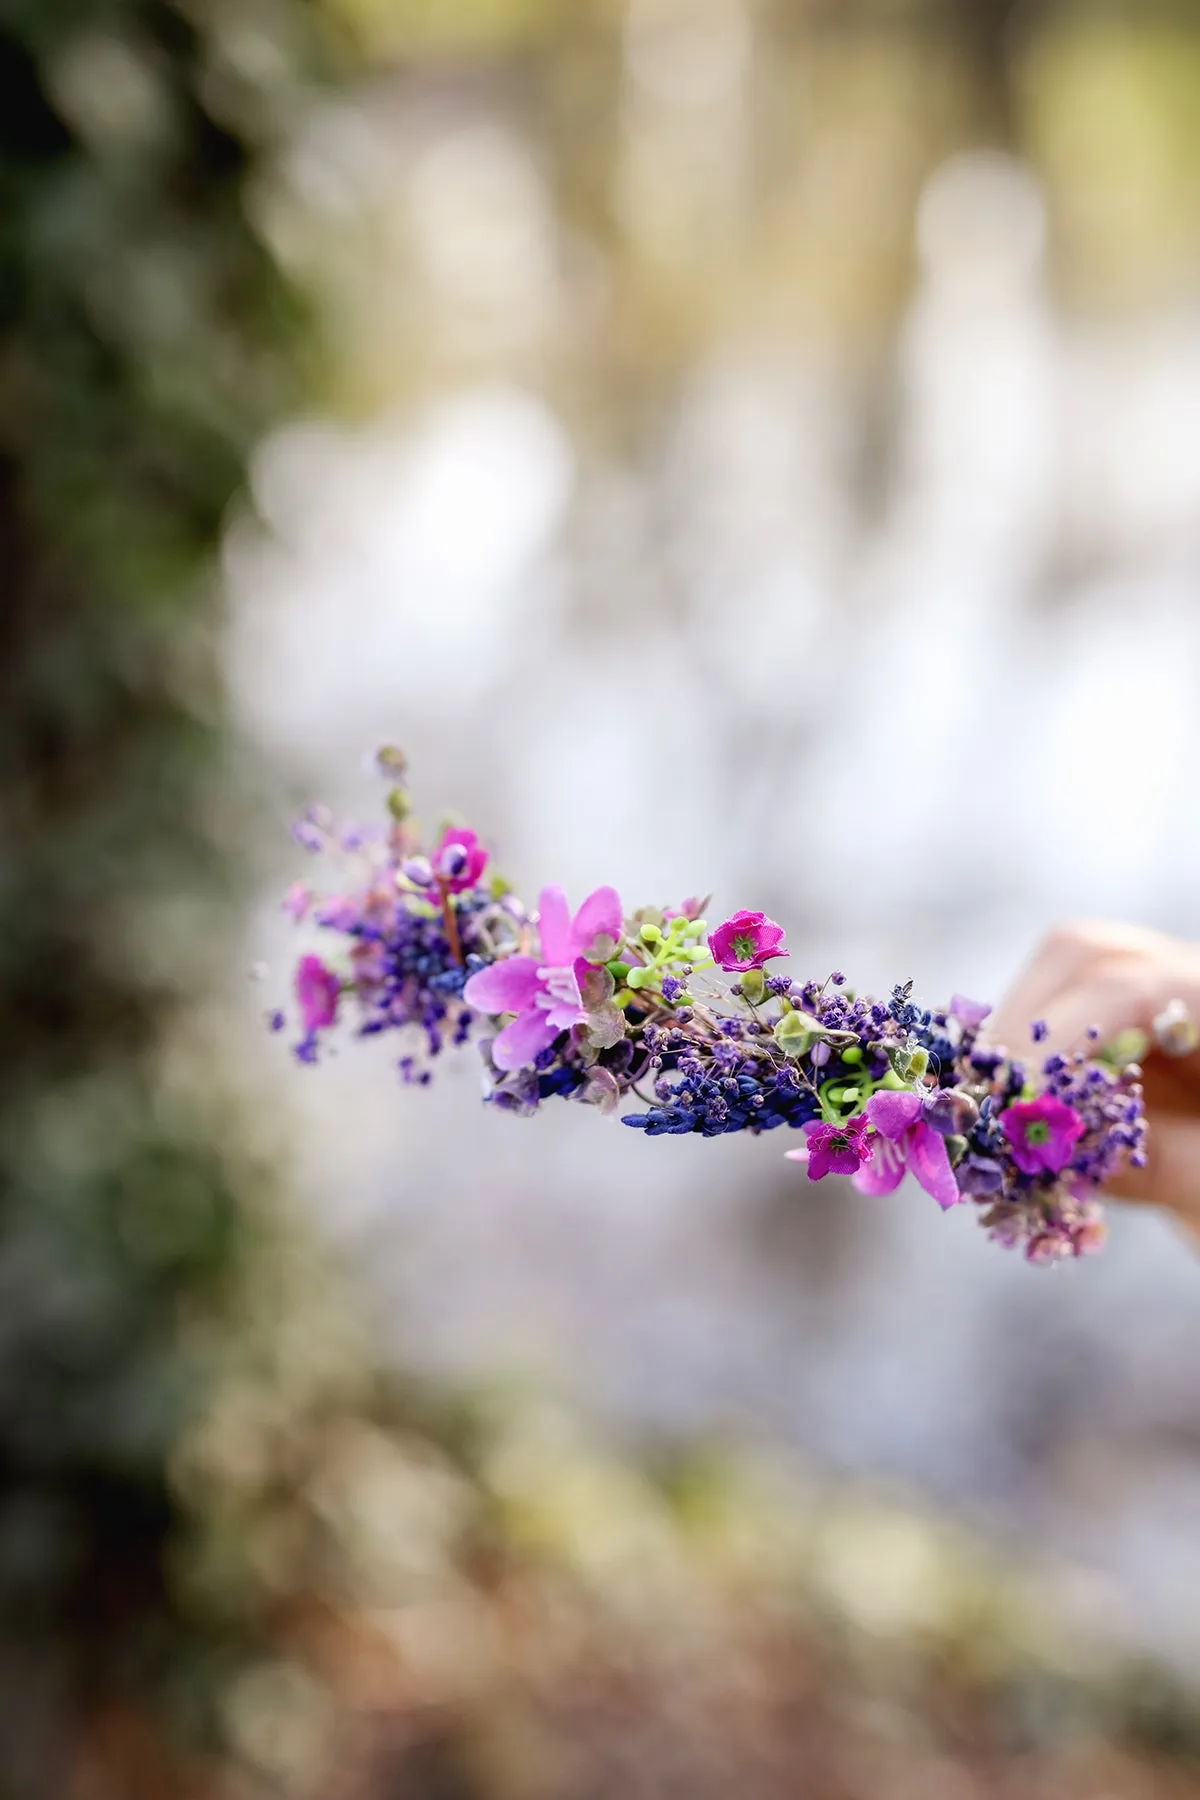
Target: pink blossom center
[{"x": 559, "y": 988}]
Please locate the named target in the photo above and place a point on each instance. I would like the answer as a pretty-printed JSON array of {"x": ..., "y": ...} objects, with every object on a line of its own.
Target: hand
[{"x": 1114, "y": 976}]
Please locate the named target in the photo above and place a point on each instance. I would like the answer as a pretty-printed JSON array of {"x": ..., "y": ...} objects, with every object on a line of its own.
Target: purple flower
[
  {"x": 459, "y": 859},
  {"x": 418, "y": 870},
  {"x": 1042, "y": 1133},
  {"x": 980, "y": 1175},
  {"x": 544, "y": 992},
  {"x": 969, "y": 1013},
  {"x": 951, "y": 1112},
  {"x": 340, "y": 912},
  {"x": 835, "y": 1149},
  {"x": 746, "y": 941},
  {"x": 906, "y": 1143},
  {"x": 318, "y": 990}
]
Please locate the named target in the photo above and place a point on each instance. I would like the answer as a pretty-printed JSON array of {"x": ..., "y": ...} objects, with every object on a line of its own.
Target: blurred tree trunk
[{"x": 988, "y": 31}]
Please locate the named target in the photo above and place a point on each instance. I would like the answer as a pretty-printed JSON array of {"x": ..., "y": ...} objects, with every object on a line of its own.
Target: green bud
[
  {"x": 754, "y": 985},
  {"x": 637, "y": 978},
  {"x": 892, "y": 1083},
  {"x": 793, "y": 1035},
  {"x": 618, "y": 970},
  {"x": 399, "y": 804},
  {"x": 1129, "y": 1046},
  {"x": 650, "y": 934},
  {"x": 910, "y": 1065},
  {"x": 852, "y": 1055}
]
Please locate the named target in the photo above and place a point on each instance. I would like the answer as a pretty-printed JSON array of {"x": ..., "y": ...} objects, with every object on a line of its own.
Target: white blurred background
[{"x": 761, "y": 454}]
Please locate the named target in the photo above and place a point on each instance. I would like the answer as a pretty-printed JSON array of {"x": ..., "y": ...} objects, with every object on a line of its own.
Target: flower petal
[
  {"x": 884, "y": 1172},
  {"x": 318, "y": 990},
  {"x": 554, "y": 925},
  {"x": 969, "y": 1013},
  {"x": 563, "y": 1016},
  {"x": 892, "y": 1113},
  {"x": 599, "y": 918},
  {"x": 596, "y": 985},
  {"x": 929, "y": 1161},
  {"x": 510, "y": 985},
  {"x": 517, "y": 1045},
  {"x": 605, "y": 1026}
]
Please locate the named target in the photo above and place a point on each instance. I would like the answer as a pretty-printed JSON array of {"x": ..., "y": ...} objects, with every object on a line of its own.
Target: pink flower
[
  {"x": 746, "y": 941},
  {"x": 1043, "y": 1133},
  {"x": 459, "y": 859},
  {"x": 835, "y": 1149},
  {"x": 297, "y": 900},
  {"x": 544, "y": 992},
  {"x": 318, "y": 991},
  {"x": 906, "y": 1144}
]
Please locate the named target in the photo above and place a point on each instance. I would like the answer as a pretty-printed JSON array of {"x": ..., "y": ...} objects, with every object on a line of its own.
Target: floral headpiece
[{"x": 690, "y": 1024}]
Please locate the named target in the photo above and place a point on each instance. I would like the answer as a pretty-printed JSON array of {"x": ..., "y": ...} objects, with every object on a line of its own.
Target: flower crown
[{"x": 686, "y": 1020}]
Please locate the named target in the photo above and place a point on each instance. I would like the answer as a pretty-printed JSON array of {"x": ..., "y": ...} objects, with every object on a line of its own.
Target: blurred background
[{"x": 748, "y": 445}]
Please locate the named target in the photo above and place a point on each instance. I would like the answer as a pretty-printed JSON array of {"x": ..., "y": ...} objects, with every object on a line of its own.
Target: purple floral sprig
[{"x": 655, "y": 1008}]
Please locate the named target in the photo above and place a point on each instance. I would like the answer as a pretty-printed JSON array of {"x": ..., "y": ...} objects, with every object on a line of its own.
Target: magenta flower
[
  {"x": 906, "y": 1144},
  {"x": 835, "y": 1149},
  {"x": 1043, "y": 1133},
  {"x": 318, "y": 990},
  {"x": 544, "y": 992},
  {"x": 459, "y": 859},
  {"x": 746, "y": 941}
]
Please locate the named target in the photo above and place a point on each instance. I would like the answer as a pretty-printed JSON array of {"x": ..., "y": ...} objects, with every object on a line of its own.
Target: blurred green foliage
[{"x": 145, "y": 339}]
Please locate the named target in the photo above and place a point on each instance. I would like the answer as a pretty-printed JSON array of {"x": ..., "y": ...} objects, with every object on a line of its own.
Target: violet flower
[
  {"x": 341, "y": 912},
  {"x": 746, "y": 941},
  {"x": 544, "y": 992},
  {"x": 835, "y": 1149},
  {"x": 318, "y": 991},
  {"x": 969, "y": 1013},
  {"x": 1042, "y": 1133},
  {"x": 906, "y": 1143}
]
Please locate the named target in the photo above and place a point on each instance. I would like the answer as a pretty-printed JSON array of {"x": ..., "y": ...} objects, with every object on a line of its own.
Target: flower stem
[{"x": 450, "y": 919}]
